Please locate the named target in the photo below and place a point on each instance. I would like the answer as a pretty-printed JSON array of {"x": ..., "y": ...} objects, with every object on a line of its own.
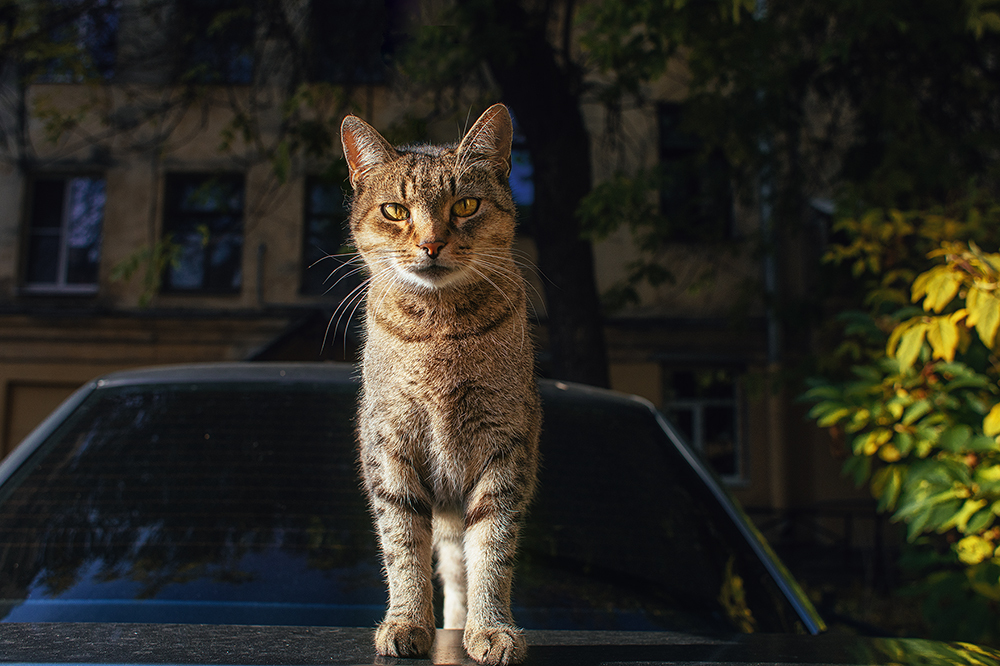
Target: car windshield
[{"x": 240, "y": 503}]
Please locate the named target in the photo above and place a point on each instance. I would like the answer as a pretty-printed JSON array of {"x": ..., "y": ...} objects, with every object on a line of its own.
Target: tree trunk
[{"x": 544, "y": 97}]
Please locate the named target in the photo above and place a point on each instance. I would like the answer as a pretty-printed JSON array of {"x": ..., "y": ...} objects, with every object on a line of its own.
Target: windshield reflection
[{"x": 193, "y": 495}]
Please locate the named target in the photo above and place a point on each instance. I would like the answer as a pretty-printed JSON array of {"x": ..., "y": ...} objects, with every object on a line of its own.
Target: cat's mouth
[
  {"x": 432, "y": 275},
  {"x": 432, "y": 272}
]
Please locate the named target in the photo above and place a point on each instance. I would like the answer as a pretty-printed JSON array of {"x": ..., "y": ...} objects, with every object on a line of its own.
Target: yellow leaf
[
  {"x": 910, "y": 343},
  {"x": 889, "y": 453},
  {"x": 942, "y": 334},
  {"x": 919, "y": 288},
  {"x": 974, "y": 549},
  {"x": 984, "y": 314},
  {"x": 941, "y": 288},
  {"x": 991, "y": 424}
]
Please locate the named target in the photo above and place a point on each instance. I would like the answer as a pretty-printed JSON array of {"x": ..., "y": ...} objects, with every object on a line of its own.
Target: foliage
[
  {"x": 153, "y": 260},
  {"x": 876, "y": 106},
  {"x": 923, "y": 422}
]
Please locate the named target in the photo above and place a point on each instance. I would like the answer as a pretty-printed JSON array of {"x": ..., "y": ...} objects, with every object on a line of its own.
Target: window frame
[
  {"x": 172, "y": 211},
  {"x": 61, "y": 285},
  {"x": 698, "y": 407}
]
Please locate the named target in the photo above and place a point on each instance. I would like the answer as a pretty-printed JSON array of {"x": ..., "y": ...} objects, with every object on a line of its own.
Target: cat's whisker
[
  {"x": 516, "y": 278},
  {"x": 355, "y": 271},
  {"x": 355, "y": 294}
]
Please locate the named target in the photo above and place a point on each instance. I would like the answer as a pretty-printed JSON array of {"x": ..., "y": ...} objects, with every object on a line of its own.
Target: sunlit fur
[{"x": 449, "y": 416}]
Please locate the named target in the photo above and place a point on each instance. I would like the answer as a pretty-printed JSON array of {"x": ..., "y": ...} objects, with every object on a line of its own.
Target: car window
[
  {"x": 240, "y": 503},
  {"x": 195, "y": 503},
  {"x": 623, "y": 533}
]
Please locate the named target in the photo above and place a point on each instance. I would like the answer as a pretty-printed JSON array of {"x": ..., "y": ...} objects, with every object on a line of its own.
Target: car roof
[{"x": 89, "y": 643}]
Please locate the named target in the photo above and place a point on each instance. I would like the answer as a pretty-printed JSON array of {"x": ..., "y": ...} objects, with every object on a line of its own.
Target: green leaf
[
  {"x": 955, "y": 438},
  {"x": 916, "y": 410},
  {"x": 980, "y": 521},
  {"x": 982, "y": 443},
  {"x": 833, "y": 417},
  {"x": 960, "y": 520}
]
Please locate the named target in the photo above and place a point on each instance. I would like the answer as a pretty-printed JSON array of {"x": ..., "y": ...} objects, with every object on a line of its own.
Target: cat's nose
[{"x": 432, "y": 248}]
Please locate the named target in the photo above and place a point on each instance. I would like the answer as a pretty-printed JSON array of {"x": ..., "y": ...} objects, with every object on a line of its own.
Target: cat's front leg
[
  {"x": 403, "y": 522},
  {"x": 449, "y": 530},
  {"x": 492, "y": 525}
]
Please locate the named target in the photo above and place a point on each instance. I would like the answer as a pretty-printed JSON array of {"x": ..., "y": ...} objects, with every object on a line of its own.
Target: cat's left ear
[
  {"x": 364, "y": 148},
  {"x": 489, "y": 138}
]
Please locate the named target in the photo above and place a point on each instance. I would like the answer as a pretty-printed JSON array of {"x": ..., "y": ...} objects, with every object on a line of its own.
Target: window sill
[{"x": 59, "y": 289}]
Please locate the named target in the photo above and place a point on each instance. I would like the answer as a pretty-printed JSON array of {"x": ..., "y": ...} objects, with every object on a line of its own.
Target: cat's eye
[
  {"x": 395, "y": 212},
  {"x": 465, "y": 207}
]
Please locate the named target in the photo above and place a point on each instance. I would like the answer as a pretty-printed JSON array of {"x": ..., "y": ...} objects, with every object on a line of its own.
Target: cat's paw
[
  {"x": 495, "y": 646},
  {"x": 399, "y": 638}
]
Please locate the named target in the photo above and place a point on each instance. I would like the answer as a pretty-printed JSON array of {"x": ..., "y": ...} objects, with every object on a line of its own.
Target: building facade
[{"x": 153, "y": 226}]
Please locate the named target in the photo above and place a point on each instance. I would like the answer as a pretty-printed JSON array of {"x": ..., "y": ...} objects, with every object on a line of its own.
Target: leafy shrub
[{"x": 923, "y": 422}]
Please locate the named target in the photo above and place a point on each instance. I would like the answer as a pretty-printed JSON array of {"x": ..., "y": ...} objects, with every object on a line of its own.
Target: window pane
[
  {"x": 696, "y": 196},
  {"x": 43, "y": 260},
  {"x": 719, "y": 446},
  {"x": 347, "y": 38},
  {"x": 217, "y": 41},
  {"x": 125, "y": 518},
  {"x": 324, "y": 235},
  {"x": 66, "y": 222},
  {"x": 204, "y": 215},
  {"x": 47, "y": 203},
  {"x": 84, "y": 219}
]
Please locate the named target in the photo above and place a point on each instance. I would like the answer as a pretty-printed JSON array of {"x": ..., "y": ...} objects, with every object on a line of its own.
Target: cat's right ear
[{"x": 364, "y": 148}]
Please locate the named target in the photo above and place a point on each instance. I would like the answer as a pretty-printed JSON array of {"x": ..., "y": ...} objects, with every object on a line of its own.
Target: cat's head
[{"x": 433, "y": 217}]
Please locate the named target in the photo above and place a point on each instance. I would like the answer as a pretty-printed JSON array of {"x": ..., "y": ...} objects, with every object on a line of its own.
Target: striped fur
[{"x": 449, "y": 417}]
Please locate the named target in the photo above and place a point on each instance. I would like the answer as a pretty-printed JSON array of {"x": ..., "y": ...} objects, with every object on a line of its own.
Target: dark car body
[{"x": 212, "y": 514}]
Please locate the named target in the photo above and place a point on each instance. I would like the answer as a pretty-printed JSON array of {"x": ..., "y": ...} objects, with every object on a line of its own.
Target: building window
[
  {"x": 84, "y": 40},
  {"x": 216, "y": 40},
  {"x": 346, "y": 40},
  {"x": 64, "y": 235},
  {"x": 324, "y": 235},
  {"x": 203, "y": 218},
  {"x": 704, "y": 404},
  {"x": 696, "y": 195}
]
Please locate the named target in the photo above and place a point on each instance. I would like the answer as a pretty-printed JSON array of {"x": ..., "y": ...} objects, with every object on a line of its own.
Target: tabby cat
[{"x": 449, "y": 416}]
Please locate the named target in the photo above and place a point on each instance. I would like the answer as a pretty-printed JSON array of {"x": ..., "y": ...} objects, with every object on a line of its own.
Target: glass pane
[
  {"x": 188, "y": 271},
  {"x": 701, "y": 384},
  {"x": 348, "y": 37},
  {"x": 47, "y": 203},
  {"x": 43, "y": 259},
  {"x": 324, "y": 235},
  {"x": 719, "y": 445},
  {"x": 631, "y": 539},
  {"x": 205, "y": 215},
  {"x": 224, "y": 272},
  {"x": 84, "y": 219},
  {"x": 216, "y": 41},
  {"x": 194, "y": 504},
  {"x": 82, "y": 265},
  {"x": 211, "y": 194}
]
